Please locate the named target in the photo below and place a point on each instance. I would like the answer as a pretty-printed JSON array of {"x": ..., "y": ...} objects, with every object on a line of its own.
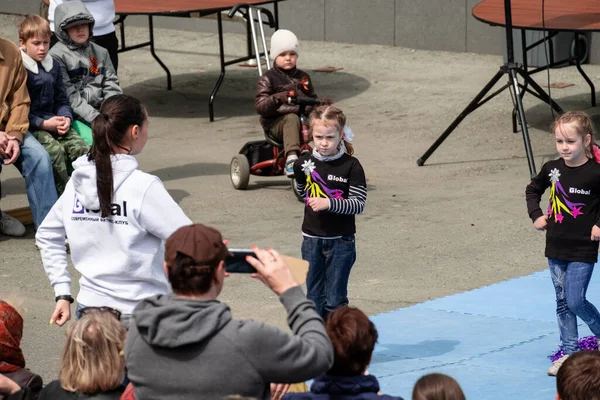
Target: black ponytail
[{"x": 109, "y": 128}]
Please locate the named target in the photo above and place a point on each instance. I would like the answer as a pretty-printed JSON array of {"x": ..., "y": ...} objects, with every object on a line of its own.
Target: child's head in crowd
[
  {"x": 121, "y": 127},
  {"x": 327, "y": 123},
  {"x": 579, "y": 377},
  {"x": 79, "y": 32},
  {"x": 11, "y": 332},
  {"x": 284, "y": 49},
  {"x": 92, "y": 359},
  {"x": 195, "y": 260},
  {"x": 34, "y": 37},
  {"x": 353, "y": 336},
  {"x": 437, "y": 387},
  {"x": 79, "y": 26}
]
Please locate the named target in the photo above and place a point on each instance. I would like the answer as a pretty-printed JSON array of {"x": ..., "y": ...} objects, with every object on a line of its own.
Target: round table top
[
  {"x": 559, "y": 15},
  {"x": 176, "y": 6}
]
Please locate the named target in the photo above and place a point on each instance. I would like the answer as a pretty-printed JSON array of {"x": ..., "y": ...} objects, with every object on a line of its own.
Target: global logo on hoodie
[
  {"x": 77, "y": 207},
  {"x": 116, "y": 210}
]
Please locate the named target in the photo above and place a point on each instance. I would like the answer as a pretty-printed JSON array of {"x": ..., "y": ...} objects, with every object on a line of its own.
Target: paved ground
[{"x": 456, "y": 224}]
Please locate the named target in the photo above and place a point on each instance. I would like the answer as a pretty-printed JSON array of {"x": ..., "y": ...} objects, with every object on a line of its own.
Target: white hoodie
[
  {"x": 120, "y": 258},
  {"x": 103, "y": 12}
]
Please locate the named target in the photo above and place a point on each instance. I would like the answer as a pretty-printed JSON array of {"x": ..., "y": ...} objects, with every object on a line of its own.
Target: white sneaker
[
  {"x": 10, "y": 226},
  {"x": 553, "y": 370}
]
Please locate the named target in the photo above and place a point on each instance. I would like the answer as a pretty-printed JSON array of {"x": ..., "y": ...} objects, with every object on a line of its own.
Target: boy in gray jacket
[{"x": 87, "y": 71}]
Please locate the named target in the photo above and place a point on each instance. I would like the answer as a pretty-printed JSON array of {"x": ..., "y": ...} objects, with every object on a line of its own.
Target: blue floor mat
[{"x": 493, "y": 340}]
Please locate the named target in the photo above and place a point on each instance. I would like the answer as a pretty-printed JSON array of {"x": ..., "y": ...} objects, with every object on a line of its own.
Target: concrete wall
[{"x": 421, "y": 24}]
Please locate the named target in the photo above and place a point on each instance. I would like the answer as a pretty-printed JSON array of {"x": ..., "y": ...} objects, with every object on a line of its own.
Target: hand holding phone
[
  {"x": 272, "y": 270},
  {"x": 236, "y": 262}
]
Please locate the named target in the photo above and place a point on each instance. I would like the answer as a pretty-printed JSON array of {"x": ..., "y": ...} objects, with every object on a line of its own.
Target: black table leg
[
  {"x": 582, "y": 72},
  {"x": 211, "y": 113},
  {"x": 158, "y": 60}
]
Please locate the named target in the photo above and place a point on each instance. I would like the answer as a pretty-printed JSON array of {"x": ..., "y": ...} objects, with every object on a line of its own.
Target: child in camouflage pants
[{"x": 50, "y": 115}]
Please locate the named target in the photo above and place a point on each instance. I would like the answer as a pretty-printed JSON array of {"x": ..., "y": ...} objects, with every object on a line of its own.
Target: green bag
[{"x": 83, "y": 130}]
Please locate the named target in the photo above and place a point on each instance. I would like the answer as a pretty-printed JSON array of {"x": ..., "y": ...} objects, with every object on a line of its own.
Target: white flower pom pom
[{"x": 348, "y": 134}]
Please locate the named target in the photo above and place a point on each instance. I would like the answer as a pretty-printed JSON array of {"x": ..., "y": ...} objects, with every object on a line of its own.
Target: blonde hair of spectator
[{"x": 92, "y": 359}]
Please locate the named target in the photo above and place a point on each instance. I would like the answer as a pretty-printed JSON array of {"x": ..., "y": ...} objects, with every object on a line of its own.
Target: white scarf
[
  {"x": 32, "y": 65},
  {"x": 340, "y": 153}
]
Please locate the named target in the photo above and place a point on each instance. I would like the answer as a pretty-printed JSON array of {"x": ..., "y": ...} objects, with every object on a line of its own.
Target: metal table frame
[
  {"x": 187, "y": 14},
  {"x": 518, "y": 90}
]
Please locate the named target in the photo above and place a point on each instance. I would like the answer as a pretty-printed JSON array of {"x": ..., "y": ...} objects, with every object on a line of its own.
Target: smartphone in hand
[{"x": 236, "y": 262}]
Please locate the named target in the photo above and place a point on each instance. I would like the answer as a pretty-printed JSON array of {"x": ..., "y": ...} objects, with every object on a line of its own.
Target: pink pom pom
[{"x": 596, "y": 153}]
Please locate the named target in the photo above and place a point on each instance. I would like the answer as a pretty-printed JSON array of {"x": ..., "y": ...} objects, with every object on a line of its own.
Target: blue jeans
[
  {"x": 571, "y": 280},
  {"x": 35, "y": 166},
  {"x": 330, "y": 262}
]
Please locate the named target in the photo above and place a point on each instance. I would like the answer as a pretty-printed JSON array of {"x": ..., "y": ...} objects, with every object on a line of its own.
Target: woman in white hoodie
[{"x": 115, "y": 216}]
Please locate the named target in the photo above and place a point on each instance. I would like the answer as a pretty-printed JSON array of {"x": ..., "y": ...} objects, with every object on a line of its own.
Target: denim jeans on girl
[
  {"x": 330, "y": 262},
  {"x": 571, "y": 280}
]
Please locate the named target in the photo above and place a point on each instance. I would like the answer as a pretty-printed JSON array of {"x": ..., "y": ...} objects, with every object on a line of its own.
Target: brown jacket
[
  {"x": 272, "y": 89},
  {"x": 14, "y": 97}
]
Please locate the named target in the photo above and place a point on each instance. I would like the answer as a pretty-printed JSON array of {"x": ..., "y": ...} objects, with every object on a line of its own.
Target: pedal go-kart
[{"x": 266, "y": 157}]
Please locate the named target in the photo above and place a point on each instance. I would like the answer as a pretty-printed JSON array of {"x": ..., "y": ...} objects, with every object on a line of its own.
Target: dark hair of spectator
[
  {"x": 187, "y": 278},
  {"x": 579, "y": 376},
  {"x": 117, "y": 114},
  {"x": 437, "y": 387},
  {"x": 353, "y": 337}
]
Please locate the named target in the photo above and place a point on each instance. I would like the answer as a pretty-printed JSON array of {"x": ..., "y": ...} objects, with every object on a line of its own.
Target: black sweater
[
  {"x": 53, "y": 391},
  {"x": 343, "y": 182},
  {"x": 573, "y": 209}
]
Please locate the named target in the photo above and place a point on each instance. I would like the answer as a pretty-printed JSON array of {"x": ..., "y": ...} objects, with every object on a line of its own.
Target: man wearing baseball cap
[{"x": 185, "y": 345}]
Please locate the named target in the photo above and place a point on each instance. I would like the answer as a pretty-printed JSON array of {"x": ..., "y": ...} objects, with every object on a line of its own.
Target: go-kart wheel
[
  {"x": 239, "y": 171},
  {"x": 296, "y": 193}
]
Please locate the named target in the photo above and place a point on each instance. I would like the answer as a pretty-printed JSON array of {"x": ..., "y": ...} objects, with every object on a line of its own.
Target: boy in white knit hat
[{"x": 280, "y": 119}]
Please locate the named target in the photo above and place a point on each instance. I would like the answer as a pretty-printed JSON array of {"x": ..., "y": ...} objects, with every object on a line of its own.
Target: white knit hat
[{"x": 281, "y": 41}]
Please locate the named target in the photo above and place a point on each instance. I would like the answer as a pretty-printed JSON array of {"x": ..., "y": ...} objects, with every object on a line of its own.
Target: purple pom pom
[
  {"x": 588, "y": 343},
  {"x": 556, "y": 356},
  {"x": 584, "y": 343}
]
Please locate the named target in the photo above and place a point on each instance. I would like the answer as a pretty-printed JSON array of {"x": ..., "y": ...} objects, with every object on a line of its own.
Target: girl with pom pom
[
  {"x": 572, "y": 225},
  {"x": 335, "y": 190}
]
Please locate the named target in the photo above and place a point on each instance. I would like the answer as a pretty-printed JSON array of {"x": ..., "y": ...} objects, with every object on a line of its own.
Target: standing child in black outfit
[
  {"x": 572, "y": 223},
  {"x": 335, "y": 189}
]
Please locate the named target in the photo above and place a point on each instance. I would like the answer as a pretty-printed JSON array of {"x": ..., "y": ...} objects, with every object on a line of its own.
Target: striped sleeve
[
  {"x": 300, "y": 178},
  {"x": 301, "y": 187},
  {"x": 357, "y": 192},
  {"x": 354, "y": 204}
]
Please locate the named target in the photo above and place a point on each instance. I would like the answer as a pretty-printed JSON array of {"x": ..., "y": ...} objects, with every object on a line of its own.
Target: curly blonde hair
[{"x": 92, "y": 359}]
